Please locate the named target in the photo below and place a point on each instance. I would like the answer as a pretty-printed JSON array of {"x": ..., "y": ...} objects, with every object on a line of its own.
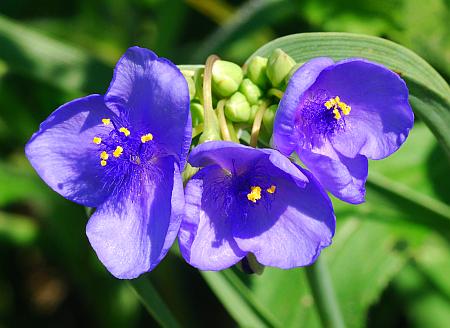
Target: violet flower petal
[
  {"x": 63, "y": 154},
  {"x": 344, "y": 177},
  {"x": 205, "y": 238},
  {"x": 293, "y": 229},
  {"x": 152, "y": 95},
  {"x": 233, "y": 156},
  {"x": 133, "y": 230},
  {"x": 285, "y": 134}
]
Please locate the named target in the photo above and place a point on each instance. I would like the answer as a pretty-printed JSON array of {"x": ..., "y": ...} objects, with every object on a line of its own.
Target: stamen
[
  {"x": 97, "y": 140},
  {"x": 104, "y": 155},
  {"x": 338, "y": 107},
  {"x": 125, "y": 131},
  {"x": 336, "y": 113},
  {"x": 118, "y": 151},
  {"x": 103, "y": 162},
  {"x": 272, "y": 189},
  {"x": 254, "y": 194},
  {"x": 147, "y": 137},
  {"x": 106, "y": 121}
]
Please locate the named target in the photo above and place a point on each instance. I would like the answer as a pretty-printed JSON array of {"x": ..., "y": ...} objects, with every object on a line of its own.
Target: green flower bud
[
  {"x": 188, "y": 172},
  {"x": 278, "y": 67},
  {"x": 292, "y": 71},
  {"x": 250, "y": 91},
  {"x": 189, "y": 77},
  {"x": 256, "y": 71},
  {"x": 211, "y": 130},
  {"x": 226, "y": 78},
  {"x": 253, "y": 110},
  {"x": 197, "y": 113},
  {"x": 268, "y": 118},
  {"x": 198, "y": 80},
  {"x": 237, "y": 108}
]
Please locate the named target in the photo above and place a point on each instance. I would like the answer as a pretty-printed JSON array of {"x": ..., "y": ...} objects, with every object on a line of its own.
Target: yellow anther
[
  {"x": 272, "y": 189},
  {"x": 97, "y": 140},
  {"x": 345, "y": 108},
  {"x": 106, "y": 121},
  {"x": 103, "y": 162},
  {"x": 330, "y": 103},
  {"x": 125, "y": 131},
  {"x": 147, "y": 137},
  {"x": 254, "y": 194},
  {"x": 338, "y": 107},
  {"x": 336, "y": 113},
  {"x": 104, "y": 155},
  {"x": 118, "y": 151}
]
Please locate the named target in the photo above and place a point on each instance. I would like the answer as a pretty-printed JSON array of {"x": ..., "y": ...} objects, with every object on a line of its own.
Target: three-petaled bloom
[
  {"x": 252, "y": 200},
  {"x": 123, "y": 153},
  {"x": 337, "y": 115}
]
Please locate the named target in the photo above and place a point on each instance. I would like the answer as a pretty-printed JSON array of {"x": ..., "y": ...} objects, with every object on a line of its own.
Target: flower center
[
  {"x": 255, "y": 193},
  {"x": 320, "y": 115},
  {"x": 338, "y": 107},
  {"x": 122, "y": 145}
]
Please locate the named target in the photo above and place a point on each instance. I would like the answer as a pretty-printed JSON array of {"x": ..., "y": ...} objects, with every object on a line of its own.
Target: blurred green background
[{"x": 390, "y": 258}]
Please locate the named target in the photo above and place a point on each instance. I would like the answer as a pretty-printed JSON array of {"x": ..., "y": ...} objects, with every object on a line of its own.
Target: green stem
[
  {"x": 232, "y": 131},
  {"x": 223, "y": 121},
  {"x": 325, "y": 299},
  {"x": 257, "y": 125},
  {"x": 210, "y": 123},
  {"x": 276, "y": 93},
  {"x": 153, "y": 303}
]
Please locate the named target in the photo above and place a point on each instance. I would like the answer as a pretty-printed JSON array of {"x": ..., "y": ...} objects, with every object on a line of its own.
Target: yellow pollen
[
  {"x": 106, "y": 121},
  {"x": 147, "y": 137},
  {"x": 336, "y": 113},
  {"x": 97, "y": 140},
  {"x": 272, "y": 189},
  {"x": 338, "y": 107},
  {"x": 125, "y": 131},
  {"x": 104, "y": 155},
  {"x": 254, "y": 194},
  {"x": 103, "y": 162},
  {"x": 118, "y": 151}
]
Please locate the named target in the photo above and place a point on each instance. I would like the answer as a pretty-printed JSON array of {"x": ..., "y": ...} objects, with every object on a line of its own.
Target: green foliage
[{"x": 389, "y": 262}]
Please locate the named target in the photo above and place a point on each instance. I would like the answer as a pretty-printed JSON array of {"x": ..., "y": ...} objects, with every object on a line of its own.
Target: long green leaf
[
  {"x": 153, "y": 303},
  {"x": 263, "y": 311},
  {"x": 430, "y": 94},
  {"x": 232, "y": 300},
  {"x": 237, "y": 299},
  {"x": 35, "y": 55}
]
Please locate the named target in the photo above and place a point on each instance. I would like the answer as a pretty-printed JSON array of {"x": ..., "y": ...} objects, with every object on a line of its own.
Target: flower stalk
[
  {"x": 257, "y": 124},
  {"x": 222, "y": 121},
  {"x": 275, "y": 92},
  {"x": 210, "y": 125}
]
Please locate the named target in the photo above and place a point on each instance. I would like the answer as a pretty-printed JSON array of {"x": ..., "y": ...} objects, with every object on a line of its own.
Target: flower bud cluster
[{"x": 245, "y": 90}]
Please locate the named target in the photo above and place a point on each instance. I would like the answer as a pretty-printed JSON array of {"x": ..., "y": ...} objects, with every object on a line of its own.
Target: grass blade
[
  {"x": 35, "y": 55},
  {"x": 153, "y": 303},
  {"x": 232, "y": 300}
]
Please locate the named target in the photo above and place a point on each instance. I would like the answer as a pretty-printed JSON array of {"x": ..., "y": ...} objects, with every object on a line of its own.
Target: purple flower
[
  {"x": 123, "y": 153},
  {"x": 337, "y": 115},
  {"x": 252, "y": 200}
]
